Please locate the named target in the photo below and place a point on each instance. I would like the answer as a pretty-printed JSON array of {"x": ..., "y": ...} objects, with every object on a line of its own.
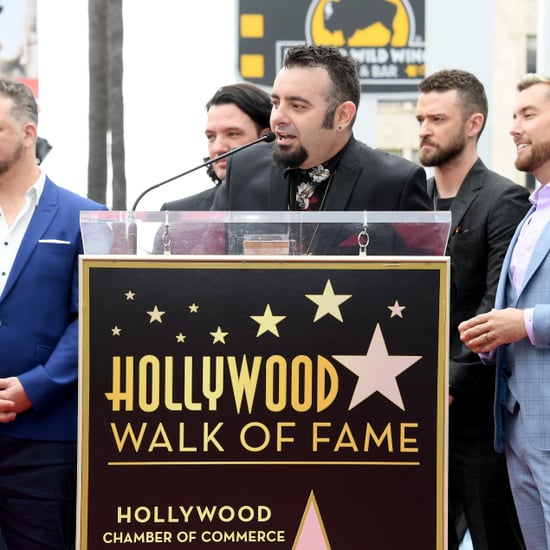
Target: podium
[{"x": 263, "y": 379}]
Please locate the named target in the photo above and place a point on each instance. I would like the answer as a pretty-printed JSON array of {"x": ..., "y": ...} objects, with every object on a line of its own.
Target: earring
[{"x": 339, "y": 127}]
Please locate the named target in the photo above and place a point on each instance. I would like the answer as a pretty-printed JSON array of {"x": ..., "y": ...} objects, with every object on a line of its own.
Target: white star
[
  {"x": 116, "y": 331},
  {"x": 396, "y": 310},
  {"x": 180, "y": 338},
  {"x": 328, "y": 303},
  {"x": 193, "y": 308},
  {"x": 377, "y": 371},
  {"x": 129, "y": 295},
  {"x": 156, "y": 315}
]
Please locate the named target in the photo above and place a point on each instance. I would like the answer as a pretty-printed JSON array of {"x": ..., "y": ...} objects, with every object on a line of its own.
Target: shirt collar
[
  {"x": 540, "y": 196},
  {"x": 34, "y": 193}
]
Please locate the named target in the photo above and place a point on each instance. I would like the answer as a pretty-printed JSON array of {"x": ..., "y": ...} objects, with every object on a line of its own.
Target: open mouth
[{"x": 285, "y": 139}]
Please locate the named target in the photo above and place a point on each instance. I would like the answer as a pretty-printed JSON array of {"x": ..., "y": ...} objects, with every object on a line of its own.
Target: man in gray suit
[
  {"x": 486, "y": 208},
  {"x": 517, "y": 331}
]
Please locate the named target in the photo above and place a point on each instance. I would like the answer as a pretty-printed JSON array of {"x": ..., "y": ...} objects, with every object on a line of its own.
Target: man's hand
[
  {"x": 485, "y": 332},
  {"x": 13, "y": 399}
]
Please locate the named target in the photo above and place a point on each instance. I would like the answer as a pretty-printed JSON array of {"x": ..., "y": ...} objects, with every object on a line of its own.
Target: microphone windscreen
[{"x": 269, "y": 137}]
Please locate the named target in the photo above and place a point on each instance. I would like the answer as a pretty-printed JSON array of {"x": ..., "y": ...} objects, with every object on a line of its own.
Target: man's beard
[
  {"x": 287, "y": 158},
  {"x": 438, "y": 157},
  {"x": 7, "y": 163},
  {"x": 537, "y": 156}
]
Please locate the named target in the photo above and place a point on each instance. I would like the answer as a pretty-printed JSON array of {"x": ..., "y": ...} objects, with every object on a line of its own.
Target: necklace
[
  {"x": 312, "y": 240},
  {"x": 326, "y": 190}
]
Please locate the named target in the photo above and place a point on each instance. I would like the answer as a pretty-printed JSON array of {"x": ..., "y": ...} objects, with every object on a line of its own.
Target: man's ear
[
  {"x": 344, "y": 115},
  {"x": 30, "y": 135},
  {"x": 475, "y": 124}
]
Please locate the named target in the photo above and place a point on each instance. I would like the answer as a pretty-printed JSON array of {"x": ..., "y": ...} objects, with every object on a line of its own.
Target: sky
[{"x": 176, "y": 54}]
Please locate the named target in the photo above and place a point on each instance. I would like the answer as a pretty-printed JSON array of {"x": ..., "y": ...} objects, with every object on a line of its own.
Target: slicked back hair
[
  {"x": 24, "y": 106},
  {"x": 342, "y": 72}
]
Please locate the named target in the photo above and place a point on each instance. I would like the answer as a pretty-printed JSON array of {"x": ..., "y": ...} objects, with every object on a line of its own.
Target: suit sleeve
[
  {"x": 501, "y": 225},
  {"x": 415, "y": 195},
  {"x": 49, "y": 380},
  {"x": 221, "y": 198},
  {"x": 507, "y": 211}
]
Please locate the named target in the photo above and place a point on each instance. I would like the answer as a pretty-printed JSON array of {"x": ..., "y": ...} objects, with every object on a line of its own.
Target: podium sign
[{"x": 263, "y": 402}]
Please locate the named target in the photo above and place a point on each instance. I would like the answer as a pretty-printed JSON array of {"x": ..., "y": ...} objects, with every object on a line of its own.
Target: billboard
[{"x": 386, "y": 37}]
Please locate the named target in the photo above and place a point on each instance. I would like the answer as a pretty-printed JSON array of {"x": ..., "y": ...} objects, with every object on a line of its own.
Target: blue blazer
[
  {"x": 39, "y": 317},
  {"x": 522, "y": 368}
]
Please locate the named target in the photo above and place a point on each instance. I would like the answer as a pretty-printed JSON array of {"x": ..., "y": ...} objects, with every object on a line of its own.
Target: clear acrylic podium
[{"x": 246, "y": 233}]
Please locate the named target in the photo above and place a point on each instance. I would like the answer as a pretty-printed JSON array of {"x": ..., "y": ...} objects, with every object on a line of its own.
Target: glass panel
[{"x": 266, "y": 233}]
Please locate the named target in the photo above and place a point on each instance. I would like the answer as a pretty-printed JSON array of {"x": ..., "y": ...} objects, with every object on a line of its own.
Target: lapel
[
  {"x": 345, "y": 178},
  {"x": 276, "y": 200},
  {"x": 541, "y": 250},
  {"x": 468, "y": 193},
  {"x": 504, "y": 279},
  {"x": 41, "y": 219}
]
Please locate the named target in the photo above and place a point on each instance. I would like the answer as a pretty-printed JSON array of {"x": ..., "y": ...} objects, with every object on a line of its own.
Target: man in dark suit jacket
[
  {"x": 315, "y": 162},
  {"x": 486, "y": 208},
  {"x": 236, "y": 114},
  {"x": 40, "y": 228}
]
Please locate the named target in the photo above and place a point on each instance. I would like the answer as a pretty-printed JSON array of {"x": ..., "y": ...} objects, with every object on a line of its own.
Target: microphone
[{"x": 268, "y": 137}]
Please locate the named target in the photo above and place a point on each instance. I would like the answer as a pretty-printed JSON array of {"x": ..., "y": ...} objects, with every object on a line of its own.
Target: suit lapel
[
  {"x": 468, "y": 192},
  {"x": 41, "y": 219},
  {"x": 541, "y": 250},
  {"x": 345, "y": 179},
  {"x": 276, "y": 200},
  {"x": 504, "y": 280}
]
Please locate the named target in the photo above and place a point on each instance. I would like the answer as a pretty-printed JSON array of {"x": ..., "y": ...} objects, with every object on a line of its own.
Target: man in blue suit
[
  {"x": 517, "y": 331},
  {"x": 41, "y": 242}
]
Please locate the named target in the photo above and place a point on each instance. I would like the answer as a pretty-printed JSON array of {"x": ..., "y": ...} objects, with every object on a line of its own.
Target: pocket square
[{"x": 53, "y": 241}]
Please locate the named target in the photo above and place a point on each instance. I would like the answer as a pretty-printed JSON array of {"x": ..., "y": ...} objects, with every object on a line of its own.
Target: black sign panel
[
  {"x": 386, "y": 37},
  {"x": 295, "y": 404}
]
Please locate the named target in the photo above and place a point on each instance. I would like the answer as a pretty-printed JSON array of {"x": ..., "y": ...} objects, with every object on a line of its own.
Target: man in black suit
[
  {"x": 315, "y": 162},
  {"x": 486, "y": 208},
  {"x": 236, "y": 114}
]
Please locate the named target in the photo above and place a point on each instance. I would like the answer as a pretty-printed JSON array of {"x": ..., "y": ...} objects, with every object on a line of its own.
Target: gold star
[
  {"x": 156, "y": 315},
  {"x": 268, "y": 321},
  {"x": 396, "y": 310},
  {"x": 219, "y": 335},
  {"x": 328, "y": 303},
  {"x": 130, "y": 295},
  {"x": 116, "y": 331},
  {"x": 193, "y": 308},
  {"x": 180, "y": 338}
]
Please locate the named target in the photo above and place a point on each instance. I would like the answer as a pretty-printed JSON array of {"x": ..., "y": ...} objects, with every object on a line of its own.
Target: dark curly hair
[
  {"x": 250, "y": 99},
  {"x": 470, "y": 90},
  {"x": 341, "y": 69}
]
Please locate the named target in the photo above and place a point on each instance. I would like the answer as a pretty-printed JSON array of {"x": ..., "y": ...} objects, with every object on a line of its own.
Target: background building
[
  {"x": 497, "y": 41},
  {"x": 175, "y": 57}
]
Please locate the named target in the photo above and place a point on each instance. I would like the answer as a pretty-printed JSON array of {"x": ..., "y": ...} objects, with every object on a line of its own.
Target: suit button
[{"x": 508, "y": 373}]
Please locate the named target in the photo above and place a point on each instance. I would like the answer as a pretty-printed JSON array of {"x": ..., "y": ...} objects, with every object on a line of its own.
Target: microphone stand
[{"x": 268, "y": 137}]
